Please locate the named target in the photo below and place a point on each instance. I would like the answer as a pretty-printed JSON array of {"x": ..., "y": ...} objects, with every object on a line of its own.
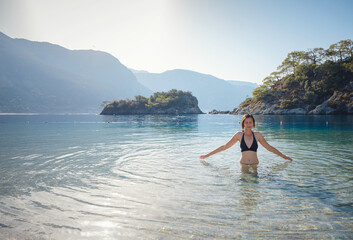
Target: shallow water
[{"x": 132, "y": 177}]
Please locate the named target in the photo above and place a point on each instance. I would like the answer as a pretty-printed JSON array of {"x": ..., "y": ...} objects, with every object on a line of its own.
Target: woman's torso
[{"x": 249, "y": 154}]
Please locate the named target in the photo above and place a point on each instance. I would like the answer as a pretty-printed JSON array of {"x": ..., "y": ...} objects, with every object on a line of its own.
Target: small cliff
[{"x": 341, "y": 102}]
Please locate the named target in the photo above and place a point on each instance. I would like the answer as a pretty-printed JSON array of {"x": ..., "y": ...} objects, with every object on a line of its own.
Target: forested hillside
[{"x": 305, "y": 80}]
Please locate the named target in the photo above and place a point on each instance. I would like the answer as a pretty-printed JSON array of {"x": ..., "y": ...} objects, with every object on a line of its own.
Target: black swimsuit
[{"x": 253, "y": 147}]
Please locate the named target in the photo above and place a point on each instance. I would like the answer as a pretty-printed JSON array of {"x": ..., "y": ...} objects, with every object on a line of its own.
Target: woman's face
[{"x": 248, "y": 123}]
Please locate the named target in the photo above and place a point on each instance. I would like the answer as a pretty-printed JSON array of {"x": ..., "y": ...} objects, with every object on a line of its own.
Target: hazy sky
[{"x": 230, "y": 39}]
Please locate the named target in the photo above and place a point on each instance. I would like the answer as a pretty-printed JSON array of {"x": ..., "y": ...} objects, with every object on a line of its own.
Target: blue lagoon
[{"x": 131, "y": 177}]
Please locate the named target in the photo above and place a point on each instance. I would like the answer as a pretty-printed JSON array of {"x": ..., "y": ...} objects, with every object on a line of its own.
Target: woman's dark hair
[{"x": 245, "y": 116}]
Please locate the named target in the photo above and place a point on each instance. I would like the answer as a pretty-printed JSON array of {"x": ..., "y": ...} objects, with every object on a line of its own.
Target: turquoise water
[{"x": 140, "y": 177}]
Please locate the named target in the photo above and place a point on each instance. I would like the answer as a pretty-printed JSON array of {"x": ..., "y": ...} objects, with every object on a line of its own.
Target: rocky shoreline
[
  {"x": 214, "y": 111},
  {"x": 339, "y": 103},
  {"x": 191, "y": 110}
]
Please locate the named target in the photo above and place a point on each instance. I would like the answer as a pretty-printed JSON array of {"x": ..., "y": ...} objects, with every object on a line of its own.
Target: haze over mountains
[
  {"x": 212, "y": 92},
  {"x": 47, "y": 78},
  {"x": 43, "y": 77}
]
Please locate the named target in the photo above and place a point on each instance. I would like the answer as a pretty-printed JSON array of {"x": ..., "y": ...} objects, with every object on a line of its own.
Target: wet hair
[{"x": 244, "y": 117}]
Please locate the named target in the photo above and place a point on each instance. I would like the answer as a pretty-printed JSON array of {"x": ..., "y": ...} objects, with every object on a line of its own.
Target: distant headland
[
  {"x": 171, "y": 102},
  {"x": 316, "y": 81}
]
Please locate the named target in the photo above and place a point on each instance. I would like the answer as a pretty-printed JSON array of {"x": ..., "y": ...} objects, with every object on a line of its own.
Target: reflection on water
[
  {"x": 249, "y": 177},
  {"x": 131, "y": 177},
  {"x": 249, "y": 191}
]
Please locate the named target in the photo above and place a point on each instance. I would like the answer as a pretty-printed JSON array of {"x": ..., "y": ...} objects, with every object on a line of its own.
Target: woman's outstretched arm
[
  {"x": 265, "y": 144},
  {"x": 230, "y": 143}
]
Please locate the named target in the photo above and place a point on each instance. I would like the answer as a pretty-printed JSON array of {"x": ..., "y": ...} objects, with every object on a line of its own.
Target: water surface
[{"x": 131, "y": 177}]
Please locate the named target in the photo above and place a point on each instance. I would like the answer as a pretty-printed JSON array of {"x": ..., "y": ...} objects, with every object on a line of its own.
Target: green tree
[
  {"x": 316, "y": 55},
  {"x": 292, "y": 60},
  {"x": 341, "y": 51},
  {"x": 104, "y": 103}
]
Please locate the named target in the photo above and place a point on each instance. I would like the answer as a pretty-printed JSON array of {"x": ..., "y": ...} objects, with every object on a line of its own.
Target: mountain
[
  {"x": 211, "y": 92},
  {"x": 137, "y": 71},
  {"x": 46, "y": 78},
  {"x": 243, "y": 83}
]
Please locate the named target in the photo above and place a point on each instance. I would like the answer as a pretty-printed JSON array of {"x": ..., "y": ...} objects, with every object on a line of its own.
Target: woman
[{"x": 248, "y": 145}]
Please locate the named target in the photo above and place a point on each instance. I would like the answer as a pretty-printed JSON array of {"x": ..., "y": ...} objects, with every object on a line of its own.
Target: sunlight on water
[{"x": 128, "y": 177}]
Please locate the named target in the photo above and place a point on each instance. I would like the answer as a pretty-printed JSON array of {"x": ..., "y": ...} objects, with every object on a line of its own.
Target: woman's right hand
[{"x": 203, "y": 156}]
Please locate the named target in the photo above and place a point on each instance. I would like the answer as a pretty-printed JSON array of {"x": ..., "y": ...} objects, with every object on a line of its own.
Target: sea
[{"x": 87, "y": 176}]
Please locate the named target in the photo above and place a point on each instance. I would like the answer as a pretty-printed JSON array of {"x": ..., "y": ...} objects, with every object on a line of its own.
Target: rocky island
[
  {"x": 316, "y": 81},
  {"x": 172, "y": 102}
]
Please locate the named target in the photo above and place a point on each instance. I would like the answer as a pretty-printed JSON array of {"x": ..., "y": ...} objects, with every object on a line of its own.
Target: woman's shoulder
[
  {"x": 257, "y": 134},
  {"x": 238, "y": 134}
]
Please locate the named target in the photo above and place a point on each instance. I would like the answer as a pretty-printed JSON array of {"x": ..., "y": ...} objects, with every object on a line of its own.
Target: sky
[{"x": 231, "y": 39}]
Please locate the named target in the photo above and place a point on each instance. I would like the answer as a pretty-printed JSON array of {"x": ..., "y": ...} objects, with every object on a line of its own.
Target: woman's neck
[{"x": 247, "y": 131}]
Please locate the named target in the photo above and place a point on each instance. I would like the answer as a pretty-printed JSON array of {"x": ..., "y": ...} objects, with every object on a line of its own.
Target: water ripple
[{"x": 140, "y": 177}]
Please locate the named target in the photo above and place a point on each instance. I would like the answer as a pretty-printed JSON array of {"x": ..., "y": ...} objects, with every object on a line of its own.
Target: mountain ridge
[
  {"x": 44, "y": 77},
  {"x": 212, "y": 92}
]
